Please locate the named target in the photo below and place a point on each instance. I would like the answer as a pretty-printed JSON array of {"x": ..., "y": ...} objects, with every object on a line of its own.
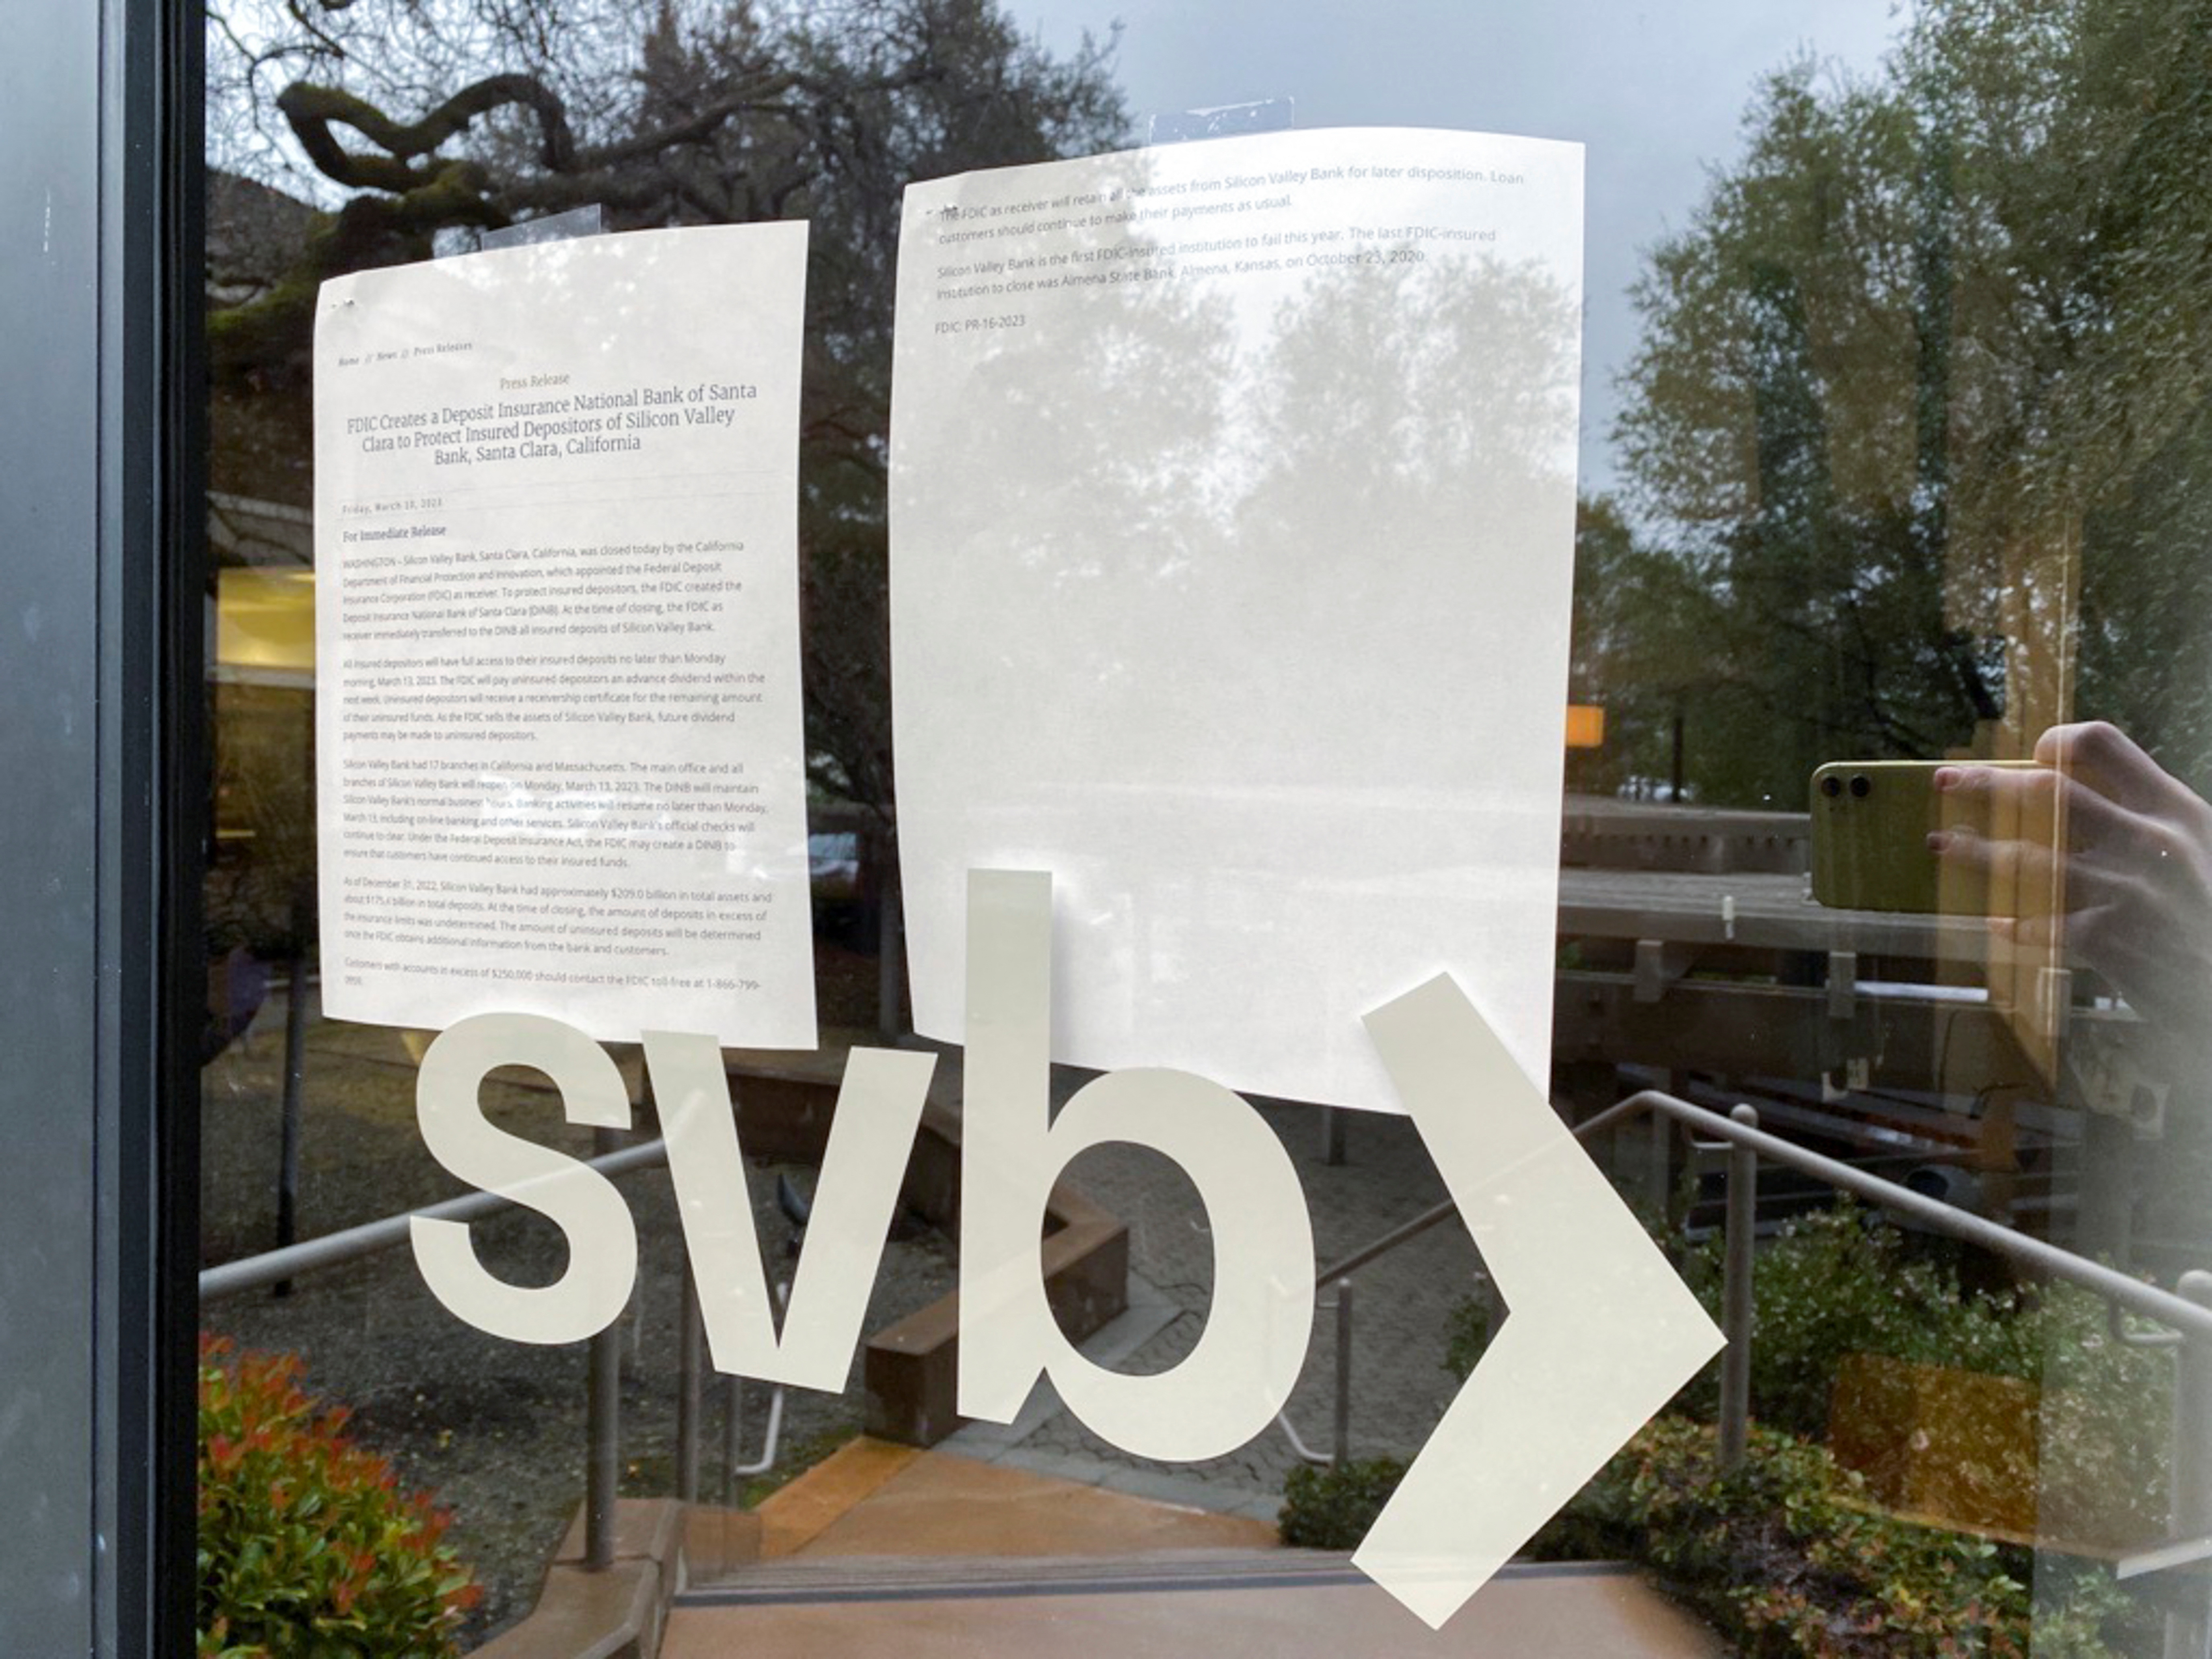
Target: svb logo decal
[{"x": 1600, "y": 1332}]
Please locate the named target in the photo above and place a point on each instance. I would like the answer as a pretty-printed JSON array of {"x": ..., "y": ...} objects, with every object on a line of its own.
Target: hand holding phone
[{"x": 2126, "y": 855}]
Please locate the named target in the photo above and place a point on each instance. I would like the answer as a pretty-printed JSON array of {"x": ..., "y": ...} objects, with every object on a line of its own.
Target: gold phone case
[{"x": 1871, "y": 820}]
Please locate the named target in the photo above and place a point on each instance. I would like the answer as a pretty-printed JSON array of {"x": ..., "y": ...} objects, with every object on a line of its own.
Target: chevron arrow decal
[{"x": 1600, "y": 1331}]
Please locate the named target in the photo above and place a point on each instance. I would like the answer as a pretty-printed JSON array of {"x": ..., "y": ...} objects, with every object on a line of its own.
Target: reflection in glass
[{"x": 1916, "y": 458}]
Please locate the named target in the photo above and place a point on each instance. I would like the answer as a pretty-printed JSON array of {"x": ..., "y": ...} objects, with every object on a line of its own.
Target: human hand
[{"x": 2123, "y": 849}]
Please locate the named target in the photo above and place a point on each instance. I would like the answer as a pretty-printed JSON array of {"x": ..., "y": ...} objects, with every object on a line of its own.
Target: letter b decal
[{"x": 1237, "y": 1378}]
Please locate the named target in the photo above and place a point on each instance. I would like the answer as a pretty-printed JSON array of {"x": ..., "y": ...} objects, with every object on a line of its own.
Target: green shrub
[
  {"x": 1468, "y": 1331},
  {"x": 1784, "y": 1557},
  {"x": 1332, "y": 1509},
  {"x": 1839, "y": 1281},
  {"x": 308, "y": 1547},
  {"x": 1790, "y": 1554}
]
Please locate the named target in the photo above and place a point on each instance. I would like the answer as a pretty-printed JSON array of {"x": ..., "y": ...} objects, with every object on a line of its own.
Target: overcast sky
[{"x": 1656, "y": 93}]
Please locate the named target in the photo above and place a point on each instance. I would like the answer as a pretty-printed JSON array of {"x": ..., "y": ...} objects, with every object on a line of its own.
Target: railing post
[
  {"x": 689, "y": 1343},
  {"x": 1331, "y": 1136},
  {"x": 2104, "y": 1218},
  {"x": 2188, "y": 1626},
  {"x": 295, "y": 1069},
  {"x": 1342, "y": 1424},
  {"x": 1736, "y": 1294},
  {"x": 603, "y": 1431},
  {"x": 603, "y": 1427},
  {"x": 890, "y": 938},
  {"x": 734, "y": 1431},
  {"x": 1659, "y": 1163}
]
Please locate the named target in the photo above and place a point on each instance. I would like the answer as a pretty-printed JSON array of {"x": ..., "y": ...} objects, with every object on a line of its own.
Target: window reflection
[{"x": 1909, "y": 465}]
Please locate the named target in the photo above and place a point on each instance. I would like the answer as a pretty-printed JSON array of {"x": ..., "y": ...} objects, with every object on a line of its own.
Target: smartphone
[{"x": 1871, "y": 820}]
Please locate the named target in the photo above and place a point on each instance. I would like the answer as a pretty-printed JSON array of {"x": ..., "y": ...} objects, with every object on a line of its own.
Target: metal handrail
[
  {"x": 2190, "y": 1318},
  {"x": 1340, "y": 1419},
  {"x": 2164, "y": 1307},
  {"x": 603, "y": 1429},
  {"x": 2189, "y": 1314},
  {"x": 254, "y": 1273},
  {"x": 602, "y": 1393},
  {"x": 2188, "y": 1627}
]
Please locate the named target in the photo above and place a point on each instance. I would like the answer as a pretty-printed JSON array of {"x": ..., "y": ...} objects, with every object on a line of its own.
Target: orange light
[{"x": 1585, "y": 726}]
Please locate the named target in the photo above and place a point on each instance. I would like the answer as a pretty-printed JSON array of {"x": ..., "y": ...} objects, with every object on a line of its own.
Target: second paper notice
[{"x": 1232, "y": 507}]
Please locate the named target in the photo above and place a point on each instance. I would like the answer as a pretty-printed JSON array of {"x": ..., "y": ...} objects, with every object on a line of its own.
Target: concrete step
[
  {"x": 928, "y": 1555},
  {"x": 1165, "y": 1604},
  {"x": 872, "y": 1498}
]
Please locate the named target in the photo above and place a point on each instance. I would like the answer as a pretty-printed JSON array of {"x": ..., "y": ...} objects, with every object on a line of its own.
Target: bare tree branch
[{"x": 314, "y": 110}]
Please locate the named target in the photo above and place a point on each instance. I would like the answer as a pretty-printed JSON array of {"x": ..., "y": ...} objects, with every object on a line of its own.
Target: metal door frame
[{"x": 101, "y": 794}]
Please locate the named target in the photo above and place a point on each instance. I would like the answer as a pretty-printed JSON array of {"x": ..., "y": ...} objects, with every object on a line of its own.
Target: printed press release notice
[
  {"x": 558, "y": 723},
  {"x": 1232, "y": 518}
]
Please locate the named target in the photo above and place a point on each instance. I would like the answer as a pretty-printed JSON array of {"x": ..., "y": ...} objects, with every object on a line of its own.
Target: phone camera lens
[
  {"x": 1832, "y": 786},
  {"x": 1860, "y": 785}
]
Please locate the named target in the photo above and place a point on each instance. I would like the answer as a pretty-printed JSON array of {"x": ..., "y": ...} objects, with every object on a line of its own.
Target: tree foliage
[
  {"x": 1920, "y": 391},
  {"x": 410, "y": 121}
]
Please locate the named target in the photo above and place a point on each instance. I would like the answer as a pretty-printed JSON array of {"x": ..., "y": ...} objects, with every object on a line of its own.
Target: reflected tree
[
  {"x": 1086, "y": 472},
  {"x": 411, "y": 124},
  {"x": 1397, "y": 415},
  {"x": 1914, "y": 406},
  {"x": 1637, "y": 652}
]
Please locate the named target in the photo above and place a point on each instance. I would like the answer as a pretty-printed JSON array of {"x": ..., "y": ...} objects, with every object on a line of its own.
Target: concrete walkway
[
  {"x": 1534, "y": 1613},
  {"x": 1402, "y": 1309},
  {"x": 886, "y": 1550},
  {"x": 874, "y": 1499}
]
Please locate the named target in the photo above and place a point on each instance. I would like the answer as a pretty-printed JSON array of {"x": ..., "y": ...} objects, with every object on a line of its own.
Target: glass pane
[{"x": 1879, "y": 791}]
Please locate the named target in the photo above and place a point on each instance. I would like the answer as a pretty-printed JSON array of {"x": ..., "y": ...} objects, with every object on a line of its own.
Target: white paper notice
[
  {"x": 1232, "y": 505},
  {"x": 558, "y": 722}
]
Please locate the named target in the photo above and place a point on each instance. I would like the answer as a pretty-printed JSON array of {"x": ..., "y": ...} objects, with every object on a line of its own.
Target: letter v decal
[
  {"x": 878, "y": 1107},
  {"x": 1600, "y": 1333}
]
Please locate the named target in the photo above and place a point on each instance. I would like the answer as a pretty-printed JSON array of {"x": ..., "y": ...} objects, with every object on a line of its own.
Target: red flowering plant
[{"x": 307, "y": 1546}]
